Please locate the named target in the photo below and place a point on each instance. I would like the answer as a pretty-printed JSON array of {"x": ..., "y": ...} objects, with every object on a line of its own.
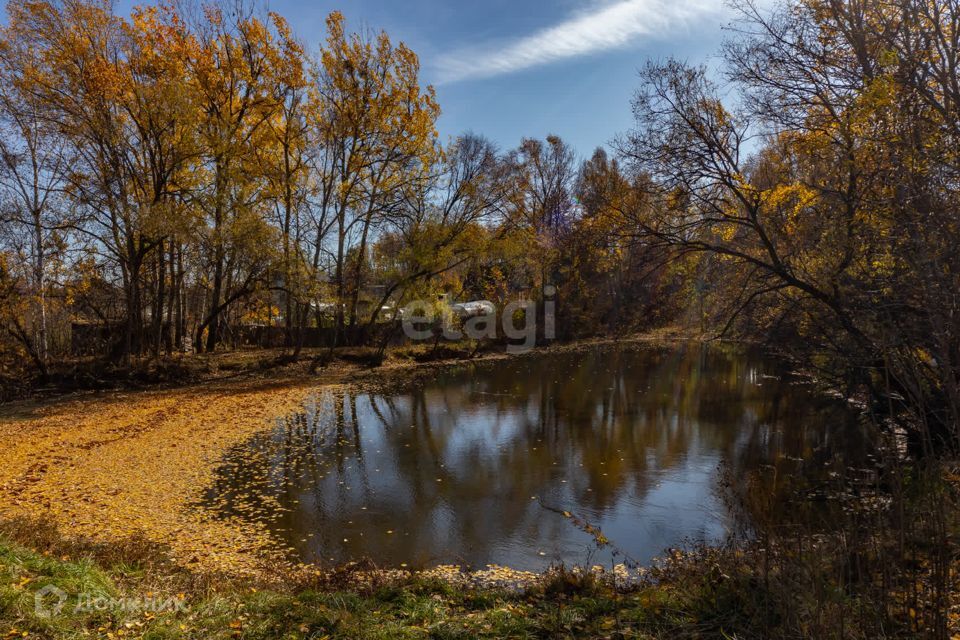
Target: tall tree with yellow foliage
[
  {"x": 376, "y": 129},
  {"x": 241, "y": 73}
]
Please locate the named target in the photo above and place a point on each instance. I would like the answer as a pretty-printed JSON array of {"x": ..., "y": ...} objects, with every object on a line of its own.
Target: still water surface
[{"x": 477, "y": 465}]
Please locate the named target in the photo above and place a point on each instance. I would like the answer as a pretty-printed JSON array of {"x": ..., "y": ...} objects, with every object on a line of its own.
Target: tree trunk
[
  {"x": 161, "y": 294},
  {"x": 215, "y": 302}
]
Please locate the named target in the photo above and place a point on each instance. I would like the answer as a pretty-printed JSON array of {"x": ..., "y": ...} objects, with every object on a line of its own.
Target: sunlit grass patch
[{"x": 417, "y": 608}]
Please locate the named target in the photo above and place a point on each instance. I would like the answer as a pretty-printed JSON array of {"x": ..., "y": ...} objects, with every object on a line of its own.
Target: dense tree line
[{"x": 182, "y": 171}]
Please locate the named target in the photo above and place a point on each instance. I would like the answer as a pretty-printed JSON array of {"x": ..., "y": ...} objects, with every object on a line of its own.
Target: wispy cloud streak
[{"x": 612, "y": 26}]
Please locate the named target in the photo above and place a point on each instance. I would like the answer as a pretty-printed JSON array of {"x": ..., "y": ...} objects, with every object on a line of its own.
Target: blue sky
[{"x": 508, "y": 69}]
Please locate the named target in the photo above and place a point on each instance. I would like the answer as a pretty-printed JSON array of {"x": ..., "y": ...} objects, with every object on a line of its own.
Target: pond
[{"x": 515, "y": 462}]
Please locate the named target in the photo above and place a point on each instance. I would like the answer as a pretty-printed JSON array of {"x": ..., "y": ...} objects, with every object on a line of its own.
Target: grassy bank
[
  {"x": 755, "y": 592},
  {"x": 413, "y": 608}
]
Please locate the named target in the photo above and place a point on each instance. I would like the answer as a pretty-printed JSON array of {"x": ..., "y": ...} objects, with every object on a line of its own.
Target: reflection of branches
[
  {"x": 357, "y": 444},
  {"x": 376, "y": 411},
  {"x": 594, "y": 532},
  {"x": 427, "y": 428}
]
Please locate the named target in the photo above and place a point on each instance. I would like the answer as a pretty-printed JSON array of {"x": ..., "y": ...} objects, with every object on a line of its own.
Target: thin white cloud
[{"x": 603, "y": 28}]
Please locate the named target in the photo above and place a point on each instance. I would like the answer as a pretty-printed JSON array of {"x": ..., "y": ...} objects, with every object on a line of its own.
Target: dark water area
[{"x": 478, "y": 465}]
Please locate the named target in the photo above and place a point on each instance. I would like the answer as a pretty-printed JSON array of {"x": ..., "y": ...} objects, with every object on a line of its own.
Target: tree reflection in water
[{"x": 458, "y": 470}]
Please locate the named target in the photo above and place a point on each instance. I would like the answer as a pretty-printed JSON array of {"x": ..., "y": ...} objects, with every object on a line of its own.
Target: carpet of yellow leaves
[{"x": 121, "y": 465}]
